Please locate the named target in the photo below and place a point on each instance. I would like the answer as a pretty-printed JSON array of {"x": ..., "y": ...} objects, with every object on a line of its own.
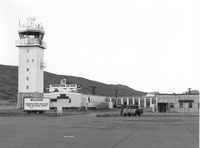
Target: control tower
[{"x": 31, "y": 60}]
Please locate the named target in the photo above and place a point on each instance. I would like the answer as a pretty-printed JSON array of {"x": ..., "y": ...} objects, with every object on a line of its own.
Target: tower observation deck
[{"x": 31, "y": 33}]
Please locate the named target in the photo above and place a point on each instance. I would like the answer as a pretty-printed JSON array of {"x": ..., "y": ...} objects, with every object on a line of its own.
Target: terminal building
[
  {"x": 148, "y": 102},
  {"x": 186, "y": 102},
  {"x": 70, "y": 98},
  {"x": 78, "y": 100},
  {"x": 178, "y": 102}
]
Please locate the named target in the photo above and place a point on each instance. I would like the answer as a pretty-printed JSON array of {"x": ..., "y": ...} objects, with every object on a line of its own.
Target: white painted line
[
  {"x": 101, "y": 126},
  {"x": 68, "y": 136},
  {"x": 118, "y": 122}
]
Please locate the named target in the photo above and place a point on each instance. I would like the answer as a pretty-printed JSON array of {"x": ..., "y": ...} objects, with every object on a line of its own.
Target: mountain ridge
[{"x": 9, "y": 84}]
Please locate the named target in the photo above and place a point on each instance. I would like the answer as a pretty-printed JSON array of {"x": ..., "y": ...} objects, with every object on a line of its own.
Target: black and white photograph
[{"x": 99, "y": 73}]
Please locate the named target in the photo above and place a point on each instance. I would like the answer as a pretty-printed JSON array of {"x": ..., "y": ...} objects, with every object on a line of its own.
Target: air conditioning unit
[{"x": 42, "y": 65}]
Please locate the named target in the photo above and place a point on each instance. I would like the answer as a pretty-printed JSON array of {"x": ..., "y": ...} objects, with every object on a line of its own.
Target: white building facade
[
  {"x": 148, "y": 102},
  {"x": 77, "y": 100}
]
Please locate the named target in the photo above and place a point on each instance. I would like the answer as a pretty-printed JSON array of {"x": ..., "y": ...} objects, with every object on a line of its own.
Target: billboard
[{"x": 36, "y": 103}]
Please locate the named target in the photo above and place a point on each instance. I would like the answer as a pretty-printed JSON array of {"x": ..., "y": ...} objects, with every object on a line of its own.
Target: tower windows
[
  {"x": 27, "y": 87},
  {"x": 27, "y": 78},
  {"x": 32, "y": 60},
  {"x": 27, "y": 69},
  {"x": 27, "y": 50},
  {"x": 27, "y": 60}
]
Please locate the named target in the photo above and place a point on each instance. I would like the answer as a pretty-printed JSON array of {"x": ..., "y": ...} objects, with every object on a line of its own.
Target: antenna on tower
[{"x": 19, "y": 23}]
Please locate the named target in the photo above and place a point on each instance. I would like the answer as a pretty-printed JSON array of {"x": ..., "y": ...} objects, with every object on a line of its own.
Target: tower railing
[{"x": 30, "y": 41}]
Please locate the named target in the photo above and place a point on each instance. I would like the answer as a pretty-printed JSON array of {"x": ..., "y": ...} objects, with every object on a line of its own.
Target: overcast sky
[{"x": 149, "y": 45}]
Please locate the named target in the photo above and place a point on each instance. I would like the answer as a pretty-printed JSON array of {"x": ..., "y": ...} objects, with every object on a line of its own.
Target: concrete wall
[
  {"x": 92, "y": 100},
  {"x": 31, "y": 58},
  {"x": 175, "y": 99}
]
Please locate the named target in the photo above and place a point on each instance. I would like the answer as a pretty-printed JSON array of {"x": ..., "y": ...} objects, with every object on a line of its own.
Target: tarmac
[{"x": 88, "y": 130}]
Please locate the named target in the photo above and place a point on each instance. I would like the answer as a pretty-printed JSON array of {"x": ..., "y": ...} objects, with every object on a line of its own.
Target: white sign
[{"x": 36, "y": 104}]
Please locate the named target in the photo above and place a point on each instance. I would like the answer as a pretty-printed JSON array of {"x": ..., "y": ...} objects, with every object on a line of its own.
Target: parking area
[{"x": 151, "y": 130}]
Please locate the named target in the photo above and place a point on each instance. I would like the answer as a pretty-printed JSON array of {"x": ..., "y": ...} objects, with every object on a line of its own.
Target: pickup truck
[{"x": 131, "y": 110}]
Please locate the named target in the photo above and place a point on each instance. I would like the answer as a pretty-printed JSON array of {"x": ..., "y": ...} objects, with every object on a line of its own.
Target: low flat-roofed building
[
  {"x": 76, "y": 100},
  {"x": 68, "y": 99},
  {"x": 147, "y": 102},
  {"x": 177, "y": 102}
]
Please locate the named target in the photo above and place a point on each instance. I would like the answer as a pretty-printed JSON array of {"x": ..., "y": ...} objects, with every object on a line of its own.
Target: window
[
  {"x": 180, "y": 104},
  {"x": 136, "y": 101},
  {"x": 27, "y": 87},
  {"x": 171, "y": 105},
  {"x": 153, "y": 101},
  {"x": 147, "y": 103},
  {"x": 130, "y": 101},
  {"x": 27, "y": 69},
  {"x": 53, "y": 100},
  {"x": 190, "y": 104},
  {"x": 27, "y": 60},
  {"x": 113, "y": 100},
  {"x": 27, "y": 78},
  {"x": 70, "y": 100},
  {"x": 118, "y": 101},
  {"x": 142, "y": 102},
  {"x": 32, "y": 60},
  {"x": 125, "y": 101},
  {"x": 27, "y": 50},
  {"x": 107, "y": 100}
]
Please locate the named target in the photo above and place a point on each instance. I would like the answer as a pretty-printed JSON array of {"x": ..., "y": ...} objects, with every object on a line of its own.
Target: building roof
[{"x": 176, "y": 94}]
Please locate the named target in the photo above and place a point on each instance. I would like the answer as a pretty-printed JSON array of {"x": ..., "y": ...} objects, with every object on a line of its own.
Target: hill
[{"x": 9, "y": 84}]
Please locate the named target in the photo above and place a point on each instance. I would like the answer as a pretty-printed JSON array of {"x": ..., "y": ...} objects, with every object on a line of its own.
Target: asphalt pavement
[{"x": 89, "y": 131}]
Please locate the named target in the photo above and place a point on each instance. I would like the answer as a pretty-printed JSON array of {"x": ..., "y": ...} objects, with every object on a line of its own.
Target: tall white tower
[{"x": 31, "y": 60}]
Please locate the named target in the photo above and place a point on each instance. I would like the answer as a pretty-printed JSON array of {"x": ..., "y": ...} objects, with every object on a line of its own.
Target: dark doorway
[
  {"x": 125, "y": 101},
  {"x": 162, "y": 107}
]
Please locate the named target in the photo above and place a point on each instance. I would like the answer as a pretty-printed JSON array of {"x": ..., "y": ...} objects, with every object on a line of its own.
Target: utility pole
[
  {"x": 189, "y": 91},
  {"x": 93, "y": 90},
  {"x": 116, "y": 93}
]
